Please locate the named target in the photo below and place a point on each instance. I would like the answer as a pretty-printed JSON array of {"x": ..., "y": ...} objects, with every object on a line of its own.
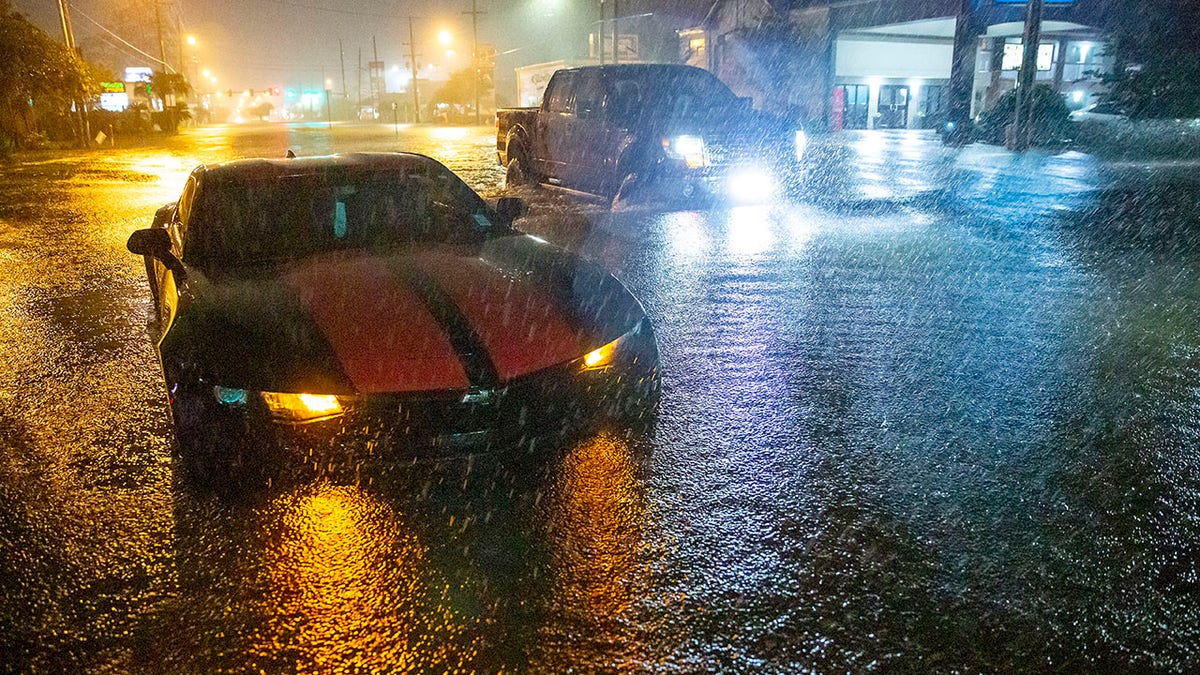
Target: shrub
[{"x": 1051, "y": 119}]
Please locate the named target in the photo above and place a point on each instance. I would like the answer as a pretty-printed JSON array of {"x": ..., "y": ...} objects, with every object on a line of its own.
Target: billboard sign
[{"x": 137, "y": 74}]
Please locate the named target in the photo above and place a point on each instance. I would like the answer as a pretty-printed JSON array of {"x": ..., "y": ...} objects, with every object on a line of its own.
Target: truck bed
[{"x": 506, "y": 119}]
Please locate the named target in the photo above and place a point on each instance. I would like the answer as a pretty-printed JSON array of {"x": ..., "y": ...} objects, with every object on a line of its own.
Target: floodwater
[{"x": 944, "y": 415}]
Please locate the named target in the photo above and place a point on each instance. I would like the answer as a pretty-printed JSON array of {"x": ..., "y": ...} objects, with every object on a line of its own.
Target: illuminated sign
[
  {"x": 138, "y": 74},
  {"x": 114, "y": 102},
  {"x": 112, "y": 87},
  {"x": 1014, "y": 52}
]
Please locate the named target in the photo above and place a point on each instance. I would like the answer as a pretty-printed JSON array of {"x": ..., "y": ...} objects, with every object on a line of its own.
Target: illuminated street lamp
[{"x": 445, "y": 37}]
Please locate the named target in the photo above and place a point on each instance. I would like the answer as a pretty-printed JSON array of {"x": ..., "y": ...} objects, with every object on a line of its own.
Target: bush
[
  {"x": 1051, "y": 119},
  {"x": 36, "y": 140}
]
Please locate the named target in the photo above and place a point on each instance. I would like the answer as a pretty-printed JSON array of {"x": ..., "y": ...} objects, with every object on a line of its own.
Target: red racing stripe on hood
[
  {"x": 522, "y": 327},
  {"x": 381, "y": 332}
]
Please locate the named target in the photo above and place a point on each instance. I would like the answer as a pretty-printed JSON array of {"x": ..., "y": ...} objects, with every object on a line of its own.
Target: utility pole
[
  {"x": 358, "y": 72},
  {"x": 179, "y": 39},
  {"x": 412, "y": 55},
  {"x": 1022, "y": 128},
  {"x": 600, "y": 34},
  {"x": 342, "y": 55},
  {"x": 69, "y": 41},
  {"x": 374, "y": 87},
  {"x": 475, "y": 53},
  {"x": 616, "y": 30},
  {"x": 162, "y": 50}
]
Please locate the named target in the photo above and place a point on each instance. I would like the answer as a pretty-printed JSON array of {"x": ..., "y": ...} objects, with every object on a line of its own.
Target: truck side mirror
[{"x": 511, "y": 208}]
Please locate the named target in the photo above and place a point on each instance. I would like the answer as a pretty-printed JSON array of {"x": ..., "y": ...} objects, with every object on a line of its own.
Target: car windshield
[{"x": 239, "y": 220}]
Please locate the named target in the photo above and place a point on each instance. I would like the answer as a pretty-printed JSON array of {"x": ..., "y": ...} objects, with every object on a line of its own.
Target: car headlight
[
  {"x": 801, "y": 144},
  {"x": 601, "y": 357},
  {"x": 283, "y": 406},
  {"x": 302, "y": 407},
  {"x": 690, "y": 149}
]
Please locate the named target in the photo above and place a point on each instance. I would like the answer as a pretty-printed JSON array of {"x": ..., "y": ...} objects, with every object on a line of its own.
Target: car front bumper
[{"x": 549, "y": 403}]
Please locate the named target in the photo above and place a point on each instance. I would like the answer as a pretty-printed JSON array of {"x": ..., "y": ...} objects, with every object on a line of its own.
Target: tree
[
  {"x": 164, "y": 85},
  {"x": 1156, "y": 49},
  {"x": 39, "y": 80}
]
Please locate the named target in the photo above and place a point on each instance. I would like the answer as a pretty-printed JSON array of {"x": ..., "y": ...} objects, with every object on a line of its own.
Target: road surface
[{"x": 943, "y": 415}]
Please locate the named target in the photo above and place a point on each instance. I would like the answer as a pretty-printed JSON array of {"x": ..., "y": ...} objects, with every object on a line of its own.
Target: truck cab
[{"x": 602, "y": 128}]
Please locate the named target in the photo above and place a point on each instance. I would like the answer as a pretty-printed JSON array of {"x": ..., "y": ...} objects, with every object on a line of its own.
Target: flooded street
[{"x": 941, "y": 415}]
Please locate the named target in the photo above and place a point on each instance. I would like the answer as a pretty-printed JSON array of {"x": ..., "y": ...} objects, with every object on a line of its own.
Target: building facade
[{"x": 877, "y": 64}]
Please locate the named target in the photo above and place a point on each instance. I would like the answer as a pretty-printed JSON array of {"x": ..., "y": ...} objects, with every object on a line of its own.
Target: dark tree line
[
  {"x": 1156, "y": 47},
  {"x": 39, "y": 82}
]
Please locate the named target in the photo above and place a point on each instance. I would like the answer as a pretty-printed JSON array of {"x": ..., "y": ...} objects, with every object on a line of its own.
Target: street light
[
  {"x": 445, "y": 37},
  {"x": 191, "y": 40}
]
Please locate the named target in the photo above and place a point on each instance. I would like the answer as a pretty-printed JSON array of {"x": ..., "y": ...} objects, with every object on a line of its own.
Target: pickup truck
[{"x": 640, "y": 131}]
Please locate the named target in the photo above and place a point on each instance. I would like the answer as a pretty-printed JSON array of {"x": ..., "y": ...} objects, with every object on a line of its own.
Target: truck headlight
[
  {"x": 751, "y": 186},
  {"x": 801, "y": 144},
  {"x": 690, "y": 149}
]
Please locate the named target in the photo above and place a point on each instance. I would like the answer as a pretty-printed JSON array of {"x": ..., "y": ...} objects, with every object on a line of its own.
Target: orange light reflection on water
[
  {"x": 598, "y": 519},
  {"x": 352, "y": 590}
]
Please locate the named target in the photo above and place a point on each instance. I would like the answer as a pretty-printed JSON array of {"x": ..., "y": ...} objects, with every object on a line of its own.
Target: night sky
[{"x": 263, "y": 43}]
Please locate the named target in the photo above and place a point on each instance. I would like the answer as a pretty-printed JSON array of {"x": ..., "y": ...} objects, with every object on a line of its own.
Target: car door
[
  {"x": 554, "y": 127},
  {"x": 591, "y": 134},
  {"x": 167, "y": 296}
]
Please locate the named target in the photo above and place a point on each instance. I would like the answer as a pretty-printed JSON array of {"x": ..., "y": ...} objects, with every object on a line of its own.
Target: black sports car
[{"x": 377, "y": 294}]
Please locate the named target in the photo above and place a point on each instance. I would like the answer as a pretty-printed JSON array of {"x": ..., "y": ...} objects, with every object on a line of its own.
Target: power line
[{"x": 118, "y": 37}]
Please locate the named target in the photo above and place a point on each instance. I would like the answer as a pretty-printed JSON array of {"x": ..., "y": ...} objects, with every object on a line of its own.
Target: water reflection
[
  {"x": 346, "y": 578},
  {"x": 318, "y": 577},
  {"x": 597, "y": 515}
]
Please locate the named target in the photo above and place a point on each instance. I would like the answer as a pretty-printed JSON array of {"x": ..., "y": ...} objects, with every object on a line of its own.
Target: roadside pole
[
  {"x": 412, "y": 55},
  {"x": 81, "y": 113},
  {"x": 475, "y": 53},
  {"x": 1019, "y": 135}
]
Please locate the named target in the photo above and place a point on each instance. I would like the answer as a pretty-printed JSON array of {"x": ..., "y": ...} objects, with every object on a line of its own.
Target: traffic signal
[{"x": 276, "y": 91}]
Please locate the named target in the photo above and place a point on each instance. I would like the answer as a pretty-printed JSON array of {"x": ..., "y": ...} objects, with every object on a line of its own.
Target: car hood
[{"x": 427, "y": 320}]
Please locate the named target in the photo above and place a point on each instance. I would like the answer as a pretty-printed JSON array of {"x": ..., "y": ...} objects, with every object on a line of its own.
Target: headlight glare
[{"x": 688, "y": 148}]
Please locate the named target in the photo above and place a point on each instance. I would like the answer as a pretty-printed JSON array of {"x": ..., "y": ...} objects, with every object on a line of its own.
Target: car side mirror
[
  {"x": 156, "y": 243},
  {"x": 511, "y": 208}
]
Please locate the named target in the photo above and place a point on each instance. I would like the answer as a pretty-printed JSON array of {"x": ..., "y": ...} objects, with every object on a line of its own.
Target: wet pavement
[{"x": 942, "y": 415}]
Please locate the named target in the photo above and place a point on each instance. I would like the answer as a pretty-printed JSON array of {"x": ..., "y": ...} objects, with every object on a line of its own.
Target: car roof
[{"x": 261, "y": 168}]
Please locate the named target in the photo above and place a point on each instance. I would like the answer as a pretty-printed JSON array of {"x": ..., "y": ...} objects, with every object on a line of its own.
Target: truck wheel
[
  {"x": 634, "y": 191},
  {"x": 518, "y": 170}
]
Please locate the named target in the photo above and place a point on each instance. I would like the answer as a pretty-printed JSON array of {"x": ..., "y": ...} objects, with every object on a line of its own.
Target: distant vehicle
[
  {"x": 376, "y": 291},
  {"x": 638, "y": 130}
]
